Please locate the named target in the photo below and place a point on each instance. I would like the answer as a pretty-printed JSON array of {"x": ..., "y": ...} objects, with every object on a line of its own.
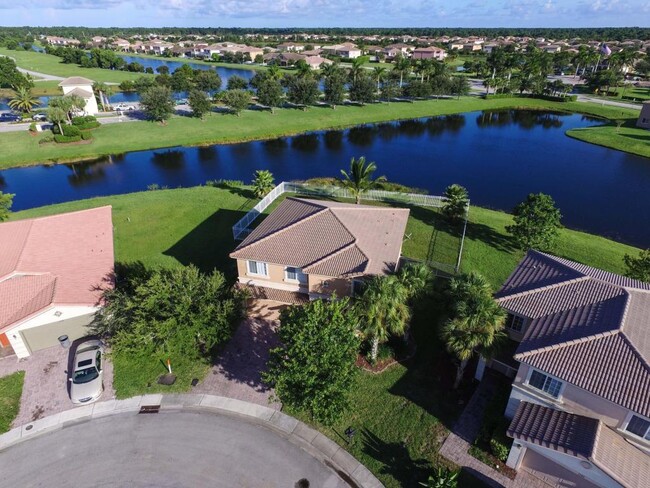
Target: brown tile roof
[
  {"x": 582, "y": 437},
  {"x": 328, "y": 238},
  {"x": 589, "y": 327},
  {"x": 61, "y": 259}
]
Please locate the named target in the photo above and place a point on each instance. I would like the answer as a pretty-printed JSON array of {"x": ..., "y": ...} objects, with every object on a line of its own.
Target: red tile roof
[
  {"x": 589, "y": 327},
  {"x": 64, "y": 259},
  {"x": 328, "y": 238}
]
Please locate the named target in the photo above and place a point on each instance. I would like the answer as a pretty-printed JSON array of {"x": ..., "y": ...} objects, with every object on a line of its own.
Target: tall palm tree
[
  {"x": 476, "y": 323},
  {"x": 383, "y": 310},
  {"x": 379, "y": 73},
  {"x": 359, "y": 179},
  {"x": 103, "y": 92},
  {"x": 403, "y": 67},
  {"x": 274, "y": 72},
  {"x": 416, "y": 278},
  {"x": 23, "y": 100},
  {"x": 356, "y": 69}
]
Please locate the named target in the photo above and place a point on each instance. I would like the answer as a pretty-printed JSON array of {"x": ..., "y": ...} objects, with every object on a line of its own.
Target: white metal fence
[{"x": 242, "y": 228}]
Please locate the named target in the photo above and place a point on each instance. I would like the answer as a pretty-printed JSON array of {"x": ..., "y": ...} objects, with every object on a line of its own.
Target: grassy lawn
[
  {"x": 627, "y": 138},
  {"x": 52, "y": 65},
  {"x": 22, "y": 149},
  {"x": 11, "y": 388}
]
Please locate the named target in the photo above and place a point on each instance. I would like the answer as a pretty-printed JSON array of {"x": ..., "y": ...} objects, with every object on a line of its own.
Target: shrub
[
  {"x": 153, "y": 187},
  {"x": 225, "y": 183},
  {"x": 46, "y": 139},
  {"x": 85, "y": 123},
  {"x": 66, "y": 139},
  {"x": 499, "y": 442},
  {"x": 68, "y": 130},
  {"x": 86, "y": 136},
  {"x": 32, "y": 127}
]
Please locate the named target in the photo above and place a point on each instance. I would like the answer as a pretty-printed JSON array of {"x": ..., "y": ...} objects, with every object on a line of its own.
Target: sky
[{"x": 327, "y": 13}]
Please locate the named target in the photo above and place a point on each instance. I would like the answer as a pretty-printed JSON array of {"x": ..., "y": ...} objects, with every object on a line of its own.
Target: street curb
[{"x": 312, "y": 441}]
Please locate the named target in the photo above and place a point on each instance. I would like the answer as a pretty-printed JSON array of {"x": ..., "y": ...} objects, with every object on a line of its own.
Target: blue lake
[{"x": 499, "y": 156}]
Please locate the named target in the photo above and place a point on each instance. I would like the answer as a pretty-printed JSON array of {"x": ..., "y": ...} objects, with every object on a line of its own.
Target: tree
[
  {"x": 23, "y": 100},
  {"x": 383, "y": 310},
  {"x": 402, "y": 66},
  {"x": 103, "y": 92},
  {"x": 200, "y": 103},
  {"x": 6, "y": 200},
  {"x": 182, "y": 79},
  {"x": 57, "y": 116},
  {"x": 362, "y": 89},
  {"x": 459, "y": 86},
  {"x": 417, "y": 278},
  {"x": 10, "y": 77},
  {"x": 263, "y": 183},
  {"x": 236, "y": 100},
  {"x": 389, "y": 90},
  {"x": 158, "y": 103},
  {"x": 237, "y": 83},
  {"x": 359, "y": 179},
  {"x": 457, "y": 200},
  {"x": 63, "y": 103},
  {"x": 379, "y": 73},
  {"x": 207, "y": 80},
  {"x": 638, "y": 268},
  {"x": 269, "y": 93},
  {"x": 536, "y": 222},
  {"x": 170, "y": 310},
  {"x": 314, "y": 368},
  {"x": 334, "y": 84},
  {"x": 301, "y": 90},
  {"x": 476, "y": 322}
]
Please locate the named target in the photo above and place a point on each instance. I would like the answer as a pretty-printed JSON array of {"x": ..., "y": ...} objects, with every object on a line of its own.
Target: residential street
[{"x": 168, "y": 449}]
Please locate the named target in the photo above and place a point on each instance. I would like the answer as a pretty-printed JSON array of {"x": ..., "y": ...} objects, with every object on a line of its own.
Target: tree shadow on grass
[
  {"x": 396, "y": 460},
  {"x": 644, "y": 138},
  {"x": 487, "y": 235},
  {"x": 208, "y": 245}
]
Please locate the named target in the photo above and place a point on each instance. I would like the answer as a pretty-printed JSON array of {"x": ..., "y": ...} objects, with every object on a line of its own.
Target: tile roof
[
  {"x": 582, "y": 437},
  {"x": 60, "y": 259},
  {"x": 589, "y": 327},
  {"x": 76, "y": 80},
  {"x": 328, "y": 238}
]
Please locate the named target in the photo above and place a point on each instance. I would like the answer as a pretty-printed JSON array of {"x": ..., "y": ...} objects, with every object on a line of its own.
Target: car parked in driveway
[
  {"x": 39, "y": 117},
  {"x": 7, "y": 117},
  {"x": 87, "y": 378}
]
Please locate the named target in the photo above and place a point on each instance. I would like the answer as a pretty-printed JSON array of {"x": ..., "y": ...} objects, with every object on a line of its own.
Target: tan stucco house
[
  {"x": 83, "y": 87},
  {"x": 309, "y": 249},
  {"x": 644, "y": 117},
  {"x": 580, "y": 400},
  {"x": 53, "y": 271}
]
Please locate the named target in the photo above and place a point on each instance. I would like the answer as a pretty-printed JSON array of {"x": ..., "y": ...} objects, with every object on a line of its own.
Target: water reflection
[
  {"x": 207, "y": 154},
  {"x": 171, "y": 160},
  {"x": 305, "y": 142},
  {"x": 333, "y": 140},
  {"x": 362, "y": 136},
  {"x": 525, "y": 119},
  {"x": 90, "y": 172},
  {"x": 275, "y": 147}
]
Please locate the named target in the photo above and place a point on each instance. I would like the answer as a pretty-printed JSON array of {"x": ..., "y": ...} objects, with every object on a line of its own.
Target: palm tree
[
  {"x": 57, "y": 115},
  {"x": 403, "y": 67},
  {"x": 303, "y": 69},
  {"x": 103, "y": 92},
  {"x": 274, "y": 72},
  {"x": 263, "y": 183},
  {"x": 359, "y": 179},
  {"x": 23, "y": 100},
  {"x": 476, "y": 323},
  {"x": 416, "y": 278},
  {"x": 456, "y": 202},
  {"x": 356, "y": 68},
  {"x": 383, "y": 310},
  {"x": 379, "y": 73}
]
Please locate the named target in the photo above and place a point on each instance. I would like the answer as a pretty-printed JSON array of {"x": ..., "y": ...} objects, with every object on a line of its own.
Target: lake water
[{"x": 499, "y": 156}]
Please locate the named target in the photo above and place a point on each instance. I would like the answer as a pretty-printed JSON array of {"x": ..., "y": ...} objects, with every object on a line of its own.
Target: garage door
[{"x": 48, "y": 335}]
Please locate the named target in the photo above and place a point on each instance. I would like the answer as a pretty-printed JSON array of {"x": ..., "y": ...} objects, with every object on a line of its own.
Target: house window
[
  {"x": 257, "y": 268},
  {"x": 294, "y": 274},
  {"x": 639, "y": 427},
  {"x": 545, "y": 383},
  {"x": 514, "y": 322}
]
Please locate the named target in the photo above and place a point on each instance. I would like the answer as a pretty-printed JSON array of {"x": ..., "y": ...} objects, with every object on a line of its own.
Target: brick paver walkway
[
  {"x": 237, "y": 371},
  {"x": 45, "y": 390},
  {"x": 465, "y": 432}
]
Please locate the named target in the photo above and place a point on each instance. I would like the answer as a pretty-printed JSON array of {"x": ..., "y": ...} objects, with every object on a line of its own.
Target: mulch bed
[{"x": 383, "y": 364}]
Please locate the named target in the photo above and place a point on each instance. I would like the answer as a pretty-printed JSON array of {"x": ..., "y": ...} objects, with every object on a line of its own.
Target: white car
[{"x": 87, "y": 378}]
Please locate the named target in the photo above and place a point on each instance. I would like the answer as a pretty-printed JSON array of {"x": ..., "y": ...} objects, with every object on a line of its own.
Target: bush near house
[{"x": 85, "y": 123}]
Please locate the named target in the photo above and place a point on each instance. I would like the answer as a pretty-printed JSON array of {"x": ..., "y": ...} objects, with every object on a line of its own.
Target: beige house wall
[{"x": 326, "y": 285}]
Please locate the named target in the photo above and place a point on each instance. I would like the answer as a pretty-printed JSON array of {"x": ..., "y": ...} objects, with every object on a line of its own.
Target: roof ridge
[
  {"x": 545, "y": 288},
  {"x": 636, "y": 352},
  {"x": 336, "y": 253},
  {"x": 562, "y": 345},
  {"x": 287, "y": 227},
  {"x": 23, "y": 246},
  {"x": 45, "y": 217}
]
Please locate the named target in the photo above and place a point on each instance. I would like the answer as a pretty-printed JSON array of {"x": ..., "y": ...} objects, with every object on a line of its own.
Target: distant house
[
  {"x": 644, "y": 117},
  {"x": 83, "y": 87},
  {"x": 61, "y": 41},
  {"x": 53, "y": 271},
  {"x": 121, "y": 44},
  {"x": 315, "y": 61},
  {"x": 309, "y": 249},
  {"x": 580, "y": 399},
  {"x": 291, "y": 47},
  {"x": 429, "y": 53}
]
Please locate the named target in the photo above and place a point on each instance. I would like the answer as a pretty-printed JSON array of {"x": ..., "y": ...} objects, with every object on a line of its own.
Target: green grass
[
  {"x": 52, "y": 65},
  {"x": 11, "y": 388},
  {"x": 22, "y": 149},
  {"x": 627, "y": 138}
]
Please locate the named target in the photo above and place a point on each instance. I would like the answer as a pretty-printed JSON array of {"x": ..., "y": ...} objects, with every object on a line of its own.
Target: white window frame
[
  {"x": 298, "y": 274},
  {"x": 515, "y": 317},
  {"x": 544, "y": 392},
  {"x": 255, "y": 273},
  {"x": 628, "y": 419}
]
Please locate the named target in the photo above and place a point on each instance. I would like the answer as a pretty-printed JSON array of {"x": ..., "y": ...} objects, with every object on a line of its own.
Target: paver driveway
[
  {"x": 45, "y": 391},
  {"x": 237, "y": 371}
]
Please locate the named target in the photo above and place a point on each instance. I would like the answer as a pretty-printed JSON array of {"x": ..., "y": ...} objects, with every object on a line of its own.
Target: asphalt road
[{"x": 168, "y": 449}]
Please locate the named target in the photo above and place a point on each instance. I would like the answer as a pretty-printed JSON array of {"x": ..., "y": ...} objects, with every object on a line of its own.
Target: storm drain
[{"x": 149, "y": 409}]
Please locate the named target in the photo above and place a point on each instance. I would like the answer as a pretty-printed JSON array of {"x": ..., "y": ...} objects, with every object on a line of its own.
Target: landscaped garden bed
[{"x": 11, "y": 389}]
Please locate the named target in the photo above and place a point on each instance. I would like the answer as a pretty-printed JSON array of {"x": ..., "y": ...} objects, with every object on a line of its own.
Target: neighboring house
[
  {"x": 291, "y": 47},
  {"x": 584, "y": 349},
  {"x": 53, "y": 271},
  {"x": 121, "y": 44},
  {"x": 61, "y": 41},
  {"x": 309, "y": 249},
  {"x": 315, "y": 61},
  {"x": 83, "y": 87},
  {"x": 644, "y": 117},
  {"x": 429, "y": 53}
]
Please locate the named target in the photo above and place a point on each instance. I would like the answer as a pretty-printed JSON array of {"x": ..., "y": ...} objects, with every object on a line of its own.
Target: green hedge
[
  {"x": 65, "y": 139},
  {"x": 68, "y": 130},
  {"x": 85, "y": 123},
  {"x": 550, "y": 98}
]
